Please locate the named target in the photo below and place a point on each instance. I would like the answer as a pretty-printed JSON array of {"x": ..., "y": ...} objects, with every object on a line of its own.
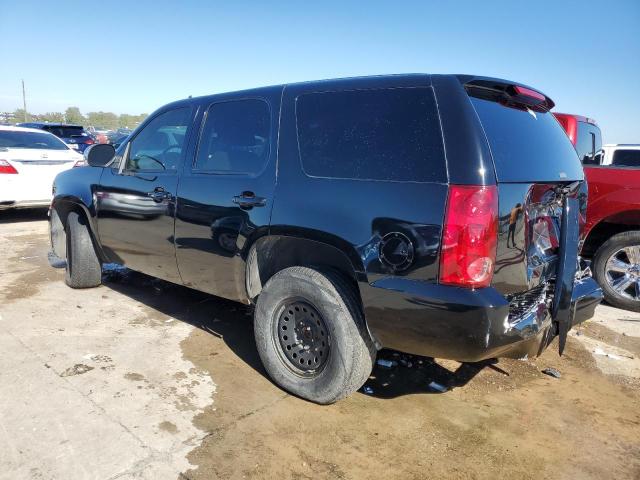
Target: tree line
[{"x": 73, "y": 115}]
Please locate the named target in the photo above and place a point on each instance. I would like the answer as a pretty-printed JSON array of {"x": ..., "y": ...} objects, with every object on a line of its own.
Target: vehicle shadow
[
  {"x": 413, "y": 374},
  {"x": 233, "y": 323},
  {"x": 23, "y": 215}
]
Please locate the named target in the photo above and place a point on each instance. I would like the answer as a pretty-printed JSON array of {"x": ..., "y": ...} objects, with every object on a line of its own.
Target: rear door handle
[
  {"x": 249, "y": 200},
  {"x": 159, "y": 194}
]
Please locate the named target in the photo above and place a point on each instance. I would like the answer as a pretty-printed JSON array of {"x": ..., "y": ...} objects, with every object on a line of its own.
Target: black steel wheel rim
[{"x": 303, "y": 337}]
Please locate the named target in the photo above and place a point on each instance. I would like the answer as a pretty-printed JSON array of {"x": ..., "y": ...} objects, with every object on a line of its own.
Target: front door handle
[
  {"x": 159, "y": 194},
  {"x": 249, "y": 200}
]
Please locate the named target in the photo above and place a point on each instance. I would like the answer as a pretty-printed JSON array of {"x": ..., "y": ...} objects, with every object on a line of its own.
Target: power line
[{"x": 24, "y": 102}]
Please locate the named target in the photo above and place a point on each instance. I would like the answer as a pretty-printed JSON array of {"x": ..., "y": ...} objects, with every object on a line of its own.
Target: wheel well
[
  {"x": 63, "y": 209},
  {"x": 601, "y": 233},
  {"x": 271, "y": 254}
]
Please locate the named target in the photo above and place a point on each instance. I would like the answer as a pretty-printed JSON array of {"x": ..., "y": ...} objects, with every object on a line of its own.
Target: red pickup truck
[{"x": 612, "y": 230}]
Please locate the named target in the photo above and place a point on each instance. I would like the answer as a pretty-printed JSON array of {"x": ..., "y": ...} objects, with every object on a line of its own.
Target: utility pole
[{"x": 24, "y": 102}]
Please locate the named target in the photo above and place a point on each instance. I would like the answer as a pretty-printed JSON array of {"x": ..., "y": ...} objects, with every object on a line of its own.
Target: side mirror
[{"x": 99, "y": 155}]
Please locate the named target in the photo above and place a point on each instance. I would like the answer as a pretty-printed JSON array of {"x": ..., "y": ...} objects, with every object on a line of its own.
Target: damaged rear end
[
  {"x": 542, "y": 198},
  {"x": 509, "y": 279}
]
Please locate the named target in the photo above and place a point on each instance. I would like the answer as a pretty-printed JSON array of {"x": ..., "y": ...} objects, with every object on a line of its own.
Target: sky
[{"x": 134, "y": 56}]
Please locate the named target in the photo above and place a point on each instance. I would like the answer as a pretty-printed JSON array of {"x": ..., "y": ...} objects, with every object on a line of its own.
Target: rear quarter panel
[
  {"x": 355, "y": 215},
  {"x": 360, "y": 217}
]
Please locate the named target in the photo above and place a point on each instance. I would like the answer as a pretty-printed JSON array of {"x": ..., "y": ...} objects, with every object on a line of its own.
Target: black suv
[{"x": 434, "y": 214}]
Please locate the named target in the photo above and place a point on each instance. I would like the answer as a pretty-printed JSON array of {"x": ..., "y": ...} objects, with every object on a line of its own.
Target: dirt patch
[
  {"x": 30, "y": 254},
  {"x": 77, "y": 369},
  {"x": 502, "y": 422},
  {"x": 608, "y": 336},
  {"x": 169, "y": 427},
  {"x": 135, "y": 377}
]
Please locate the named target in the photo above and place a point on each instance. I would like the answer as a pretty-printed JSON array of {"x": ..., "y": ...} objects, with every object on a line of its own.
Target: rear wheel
[
  {"x": 83, "y": 266},
  {"x": 311, "y": 336},
  {"x": 617, "y": 270}
]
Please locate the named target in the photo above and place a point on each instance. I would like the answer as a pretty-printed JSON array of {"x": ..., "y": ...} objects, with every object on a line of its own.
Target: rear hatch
[{"x": 535, "y": 166}]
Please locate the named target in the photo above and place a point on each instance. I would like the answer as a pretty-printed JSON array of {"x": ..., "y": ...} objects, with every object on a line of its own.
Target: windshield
[{"x": 42, "y": 141}]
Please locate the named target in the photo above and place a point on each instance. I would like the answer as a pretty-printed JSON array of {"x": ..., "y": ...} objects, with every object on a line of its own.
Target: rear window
[
  {"x": 527, "y": 146},
  {"x": 66, "y": 132},
  {"x": 626, "y": 158},
  {"x": 40, "y": 141},
  {"x": 589, "y": 143},
  {"x": 384, "y": 134}
]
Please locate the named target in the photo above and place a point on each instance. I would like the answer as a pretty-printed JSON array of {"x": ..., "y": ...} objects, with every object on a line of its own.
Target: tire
[
  {"x": 608, "y": 276},
  {"x": 349, "y": 356},
  {"x": 83, "y": 266}
]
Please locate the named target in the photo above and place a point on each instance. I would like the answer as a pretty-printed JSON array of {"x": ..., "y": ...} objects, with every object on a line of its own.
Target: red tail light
[
  {"x": 469, "y": 236},
  {"x": 6, "y": 167}
]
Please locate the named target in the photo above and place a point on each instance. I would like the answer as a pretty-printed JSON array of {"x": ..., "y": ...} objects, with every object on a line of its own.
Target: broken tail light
[{"x": 469, "y": 236}]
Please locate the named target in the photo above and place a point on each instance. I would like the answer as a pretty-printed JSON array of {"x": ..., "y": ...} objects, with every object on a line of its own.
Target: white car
[
  {"x": 621, "y": 155},
  {"x": 29, "y": 161}
]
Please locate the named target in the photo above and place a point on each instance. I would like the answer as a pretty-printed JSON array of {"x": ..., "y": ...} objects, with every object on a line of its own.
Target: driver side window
[{"x": 160, "y": 145}]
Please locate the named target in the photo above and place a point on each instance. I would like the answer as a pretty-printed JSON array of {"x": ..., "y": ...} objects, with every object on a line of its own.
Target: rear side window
[
  {"x": 589, "y": 143},
  {"x": 626, "y": 158},
  {"x": 526, "y": 145},
  {"x": 235, "y": 137},
  {"x": 385, "y": 134}
]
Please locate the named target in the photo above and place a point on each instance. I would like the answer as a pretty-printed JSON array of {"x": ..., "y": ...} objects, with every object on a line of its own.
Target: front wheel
[
  {"x": 311, "y": 336},
  {"x": 83, "y": 266},
  {"x": 617, "y": 270}
]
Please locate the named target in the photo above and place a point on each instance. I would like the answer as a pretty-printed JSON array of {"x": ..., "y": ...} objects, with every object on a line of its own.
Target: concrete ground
[{"x": 142, "y": 379}]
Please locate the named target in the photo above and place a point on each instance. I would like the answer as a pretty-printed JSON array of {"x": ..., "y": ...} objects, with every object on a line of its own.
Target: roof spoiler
[{"x": 508, "y": 92}]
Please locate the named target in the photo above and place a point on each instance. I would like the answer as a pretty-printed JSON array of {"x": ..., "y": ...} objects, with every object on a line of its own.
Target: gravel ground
[{"x": 143, "y": 379}]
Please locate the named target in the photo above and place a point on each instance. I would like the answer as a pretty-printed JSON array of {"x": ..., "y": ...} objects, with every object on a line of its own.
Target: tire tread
[
  {"x": 357, "y": 341},
  {"x": 83, "y": 265}
]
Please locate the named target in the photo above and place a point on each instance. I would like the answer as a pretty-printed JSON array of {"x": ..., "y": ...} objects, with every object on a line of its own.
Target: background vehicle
[
  {"x": 585, "y": 135},
  {"x": 364, "y": 236},
  {"x": 612, "y": 230},
  {"x": 29, "y": 161},
  {"x": 73, "y": 135},
  {"x": 99, "y": 134},
  {"x": 621, "y": 155},
  {"x": 116, "y": 137}
]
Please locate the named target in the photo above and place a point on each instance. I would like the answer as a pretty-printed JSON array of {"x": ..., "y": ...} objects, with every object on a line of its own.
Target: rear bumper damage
[{"x": 467, "y": 325}]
